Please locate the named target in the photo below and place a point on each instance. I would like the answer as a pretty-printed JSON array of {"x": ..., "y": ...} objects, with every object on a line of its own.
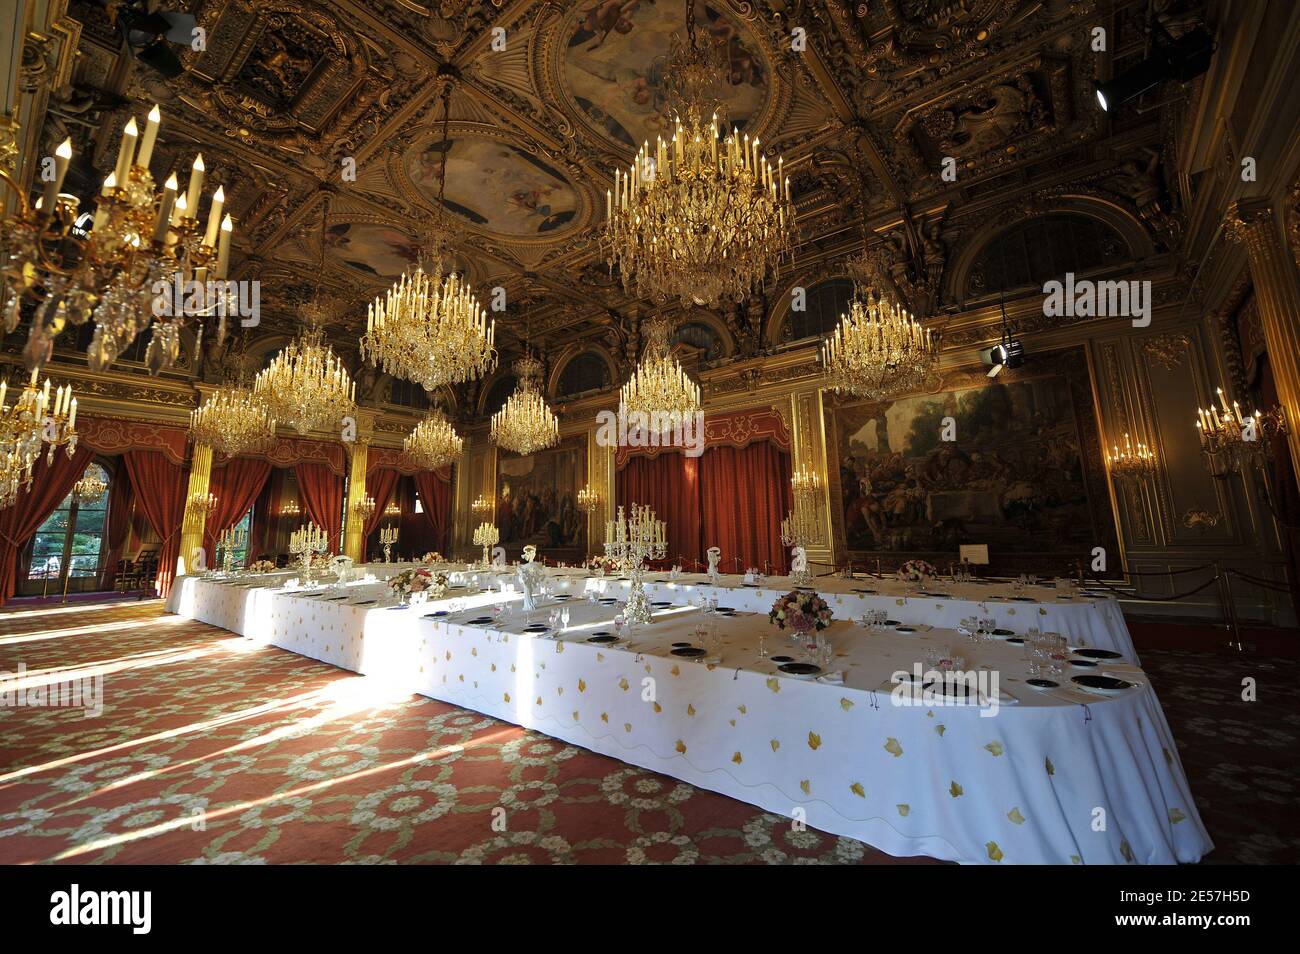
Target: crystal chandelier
[
  {"x": 232, "y": 420},
  {"x": 92, "y": 485},
  {"x": 878, "y": 351},
  {"x": 138, "y": 238},
  {"x": 659, "y": 395},
  {"x": 1230, "y": 440},
  {"x": 429, "y": 327},
  {"x": 306, "y": 385},
  {"x": 1129, "y": 462},
  {"x": 433, "y": 443},
  {"x": 695, "y": 218},
  {"x": 27, "y": 427},
  {"x": 525, "y": 424}
]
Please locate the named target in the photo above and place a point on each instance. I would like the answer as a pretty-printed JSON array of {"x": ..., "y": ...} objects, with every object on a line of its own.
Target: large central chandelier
[
  {"x": 306, "y": 385},
  {"x": 525, "y": 424},
  {"x": 695, "y": 218},
  {"x": 27, "y": 427},
  {"x": 232, "y": 421},
  {"x": 878, "y": 351},
  {"x": 429, "y": 327},
  {"x": 659, "y": 395},
  {"x": 433, "y": 443}
]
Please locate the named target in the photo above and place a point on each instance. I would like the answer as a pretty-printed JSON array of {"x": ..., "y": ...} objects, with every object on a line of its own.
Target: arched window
[
  {"x": 696, "y": 334},
  {"x": 70, "y": 543},
  {"x": 1033, "y": 252},
  {"x": 498, "y": 393},
  {"x": 407, "y": 394},
  {"x": 586, "y": 372},
  {"x": 824, "y": 304}
]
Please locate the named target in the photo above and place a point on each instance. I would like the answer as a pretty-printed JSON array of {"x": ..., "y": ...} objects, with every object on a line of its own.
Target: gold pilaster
[
  {"x": 809, "y": 437},
  {"x": 191, "y": 558},
  {"x": 1277, "y": 297},
  {"x": 354, "y": 538}
]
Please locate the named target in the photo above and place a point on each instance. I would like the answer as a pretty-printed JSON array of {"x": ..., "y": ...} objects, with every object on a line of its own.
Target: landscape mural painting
[
  {"x": 537, "y": 498},
  {"x": 1016, "y": 477}
]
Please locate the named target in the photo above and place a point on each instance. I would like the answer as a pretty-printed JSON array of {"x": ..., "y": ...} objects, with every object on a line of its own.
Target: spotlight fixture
[
  {"x": 1007, "y": 353},
  {"x": 1180, "y": 59},
  {"x": 150, "y": 34}
]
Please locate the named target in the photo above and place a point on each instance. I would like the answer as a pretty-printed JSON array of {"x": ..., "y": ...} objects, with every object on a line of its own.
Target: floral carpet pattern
[{"x": 210, "y": 750}]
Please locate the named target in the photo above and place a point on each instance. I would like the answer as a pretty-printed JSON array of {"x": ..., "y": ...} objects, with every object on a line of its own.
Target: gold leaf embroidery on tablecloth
[
  {"x": 461, "y": 677},
  {"x": 494, "y": 667},
  {"x": 846, "y": 704},
  {"x": 901, "y": 602},
  {"x": 995, "y": 853},
  {"x": 658, "y": 707},
  {"x": 681, "y": 747},
  {"x": 1075, "y": 860},
  {"x": 676, "y": 671},
  {"x": 1042, "y": 611},
  {"x": 622, "y": 683},
  {"x": 559, "y": 647},
  {"x": 575, "y": 715},
  {"x": 904, "y": 810},
  {"x": 1126, "y": 851},
  {"x": 814, "y": 741},
  {"x": 995, "y": 748},
  {"x": 1015, "y": 816},
  {"x": 474, "y": 652},
  {"x": 893, "y": 747},
  {"x": 806, "y": 785},
  {"x": 1051, "y": 769},
  {"x": 733, "y": 722},
  {"x": 604, "y": 717},
  {"x": 941, "y": 729},
  {"x": 1176, "y": 815},
  {"x": 582, "y": 685},
  {"x": 776, "y": 744},
  {"x": 955, "y": 790},
  {"x": 690, "y": 709},
  {"x": 857, "y": 789},
  {"x": 506, "y": 695},
  {"x": 600, "y": 657},
  {"x": 774, "y": 684},
  {"x": 627, "y": 726},
  {"x": 737, "y": 758},
  {"x": 1169, "y": 758},
  {"x": 512, "y": 665},
  {"x": 539, "y": 701},
  {"x": 741, "y": 709},
  {"x": 449, "y": 655},
  {"x": 559, "y": 690}
]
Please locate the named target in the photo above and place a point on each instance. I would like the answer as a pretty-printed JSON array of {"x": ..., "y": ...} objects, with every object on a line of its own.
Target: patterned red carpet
[{"x": 212, "y": 751}]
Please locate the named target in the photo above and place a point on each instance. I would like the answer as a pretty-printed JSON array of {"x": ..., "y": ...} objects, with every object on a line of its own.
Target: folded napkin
[{"x": 835, "y": 678}]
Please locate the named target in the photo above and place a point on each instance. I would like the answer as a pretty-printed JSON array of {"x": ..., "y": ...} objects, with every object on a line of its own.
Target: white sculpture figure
[
  {"x": 530, "y": 575},
  {"x": 798, "y": 560},
  {"x": 715, "y": 557},
  {"x": 342, "y": 567}
]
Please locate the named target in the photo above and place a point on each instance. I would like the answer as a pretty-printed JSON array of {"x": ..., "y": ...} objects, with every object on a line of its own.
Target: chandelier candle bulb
[
  {"x": 180, "y": 211},
  {"x": 223, "y": 247},
  {"x": 101, "y": 209},
  {"x": 214, "y": 217},
  {"x": 165, "y": 209},
  {"x": 149, "y": 138},
  {"x": 62, "y": 156},
  {"x": 126, "y": 152},
  {"x": 195, "y": 187}
]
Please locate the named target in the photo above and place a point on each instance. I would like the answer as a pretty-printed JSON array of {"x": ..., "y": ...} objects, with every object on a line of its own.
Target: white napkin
[
  {"x": 835, "y": 678},
  {"x": 749, "y": 576}
]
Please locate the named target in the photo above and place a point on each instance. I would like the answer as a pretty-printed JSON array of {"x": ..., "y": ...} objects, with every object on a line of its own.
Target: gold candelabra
[
  {"x": 306, "y": 542},
  {"x": 630, "y": 541},
  {"x": 387, "y": 538},
  {"x": 800, "y": 527},
  {"x": 487, "y": 536},
  {"x": 1230, "y": 440},
  {"x": 228, "y": 542}
]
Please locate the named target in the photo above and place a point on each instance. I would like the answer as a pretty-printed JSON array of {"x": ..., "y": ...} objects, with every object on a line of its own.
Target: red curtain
[
  {"x": 118, "y": 522},
  {"x": 50, "y": 484},
  {"x": 236, "y": 486},
  {"x": 322, "y": 497},
  {"x": 435, "y": 495},
  {"x": 159, "y": 487},
  {"x": 380, "y": 484},
  {"x": 670, "y": 484},
  {"x": 746, "y": 494},
  {"x": 261, "y": 521}
]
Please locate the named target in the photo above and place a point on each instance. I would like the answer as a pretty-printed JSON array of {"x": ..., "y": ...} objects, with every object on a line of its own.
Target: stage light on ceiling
[
  {"x": 1007, "y": 353},
  {"x": 1179, "y": 59}
]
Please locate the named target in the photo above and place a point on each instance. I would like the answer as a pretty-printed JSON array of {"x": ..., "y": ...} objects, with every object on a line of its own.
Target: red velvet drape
[
  {"x": 380, "y": 484},
  {"x": 746, "y": 494},
  {"x": 50, "y": 484},
  {"x": 670, "y": 485},
  {"x": 322, "y": 497},
  {"x": 236, "y": 486},
  {"x": 117, "y": 523},
  {"x": 159, "y": 487},
  {"x": 262, "y": 513},
  {"x": 435, "y": 495}
]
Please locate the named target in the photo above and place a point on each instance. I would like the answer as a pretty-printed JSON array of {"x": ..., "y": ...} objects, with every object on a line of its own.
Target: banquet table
[{"x": 1021, "y": 776}]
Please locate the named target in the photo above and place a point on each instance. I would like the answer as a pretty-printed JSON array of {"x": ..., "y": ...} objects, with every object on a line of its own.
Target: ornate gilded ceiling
[{"x": 549, "y": 96}]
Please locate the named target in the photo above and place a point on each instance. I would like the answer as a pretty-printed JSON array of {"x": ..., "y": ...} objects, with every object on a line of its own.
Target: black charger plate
[{"x": 691, "y": 651}]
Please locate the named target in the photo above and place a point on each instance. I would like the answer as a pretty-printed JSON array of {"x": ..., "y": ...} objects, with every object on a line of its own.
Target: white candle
[
  {"x": 150, "y": 134},
  {"x": 126, "y": 152},
  {"x": 72, "y": 415},
  {"x": 165, "y": 209},
  {"x": 62, "y": 155},
  {"x": 214, "y": 217},
  {"x": 195, "y": 187},
  {"x": 223, "y": 247},
  {"x": 180, "y": 210}
]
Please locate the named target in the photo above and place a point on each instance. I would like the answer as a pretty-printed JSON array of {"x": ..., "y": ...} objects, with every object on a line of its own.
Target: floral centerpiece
[
  {"x": 433, "y": 556},
  {"x": 602, "y": 565},
  {"x": 418, "y": 580},
  {"x": 916, "y": 571},
  {"x": 802, "y": 612},
  {"x": 262, "y": 566}
]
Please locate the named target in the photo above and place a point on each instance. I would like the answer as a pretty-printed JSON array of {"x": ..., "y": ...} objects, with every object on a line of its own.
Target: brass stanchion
[{"x": 1229, "y": 610}]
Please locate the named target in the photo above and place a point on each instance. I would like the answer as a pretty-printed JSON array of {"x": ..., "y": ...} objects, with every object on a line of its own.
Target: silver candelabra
[{"x": 630, "y": 541}]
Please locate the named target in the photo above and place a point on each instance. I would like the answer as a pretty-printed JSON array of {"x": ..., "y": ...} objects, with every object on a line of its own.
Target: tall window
[
  {"x": 71, "y": 540},
  {"x": 240, "y": 553},
  {"x": 824, "y": 304}
]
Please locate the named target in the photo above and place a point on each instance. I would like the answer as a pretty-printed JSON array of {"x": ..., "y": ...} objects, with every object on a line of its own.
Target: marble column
[{"x": 1254, "y": 223}]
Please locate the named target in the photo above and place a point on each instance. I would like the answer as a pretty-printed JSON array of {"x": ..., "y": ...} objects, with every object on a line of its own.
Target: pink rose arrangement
[
  {"x": 262, "y": 566},
  {"x": 801, "y": 612},
  {"x": 433, "y": 556},
  {"x": 602, "y": 565},
  {"x": 418, "y": 580},
  {"x": 914, "y": 571}
]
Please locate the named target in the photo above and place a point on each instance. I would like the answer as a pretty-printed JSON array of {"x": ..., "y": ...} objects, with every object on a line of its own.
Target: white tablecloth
[{"x": 1058, "y": 777}]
